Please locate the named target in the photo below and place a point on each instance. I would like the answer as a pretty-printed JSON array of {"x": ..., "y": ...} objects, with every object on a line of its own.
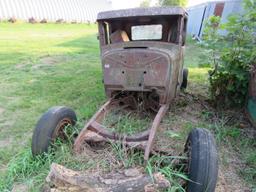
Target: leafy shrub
[{"x": 231, "y": 56}]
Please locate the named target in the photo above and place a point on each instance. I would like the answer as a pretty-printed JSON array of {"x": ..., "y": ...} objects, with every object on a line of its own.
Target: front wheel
[
  {"x": 50, "y": 126},
  {"x": 202, "y": 161}
]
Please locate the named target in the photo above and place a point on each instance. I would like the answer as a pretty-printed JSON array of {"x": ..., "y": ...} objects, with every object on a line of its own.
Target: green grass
[
  {"x": 45, "y": 65},
  {"x": 128, "y": 123},
  {"x": 194, "y": 54}
]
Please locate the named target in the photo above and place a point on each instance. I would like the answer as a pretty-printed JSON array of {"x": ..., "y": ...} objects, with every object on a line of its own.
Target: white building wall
[{"x": 52, "y": 10}]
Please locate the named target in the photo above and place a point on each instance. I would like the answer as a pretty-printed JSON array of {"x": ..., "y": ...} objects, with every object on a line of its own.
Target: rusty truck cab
[{"x": 142, "y": 50}]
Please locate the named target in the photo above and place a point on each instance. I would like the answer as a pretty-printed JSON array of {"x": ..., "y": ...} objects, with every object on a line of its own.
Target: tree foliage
[
  {"x": 145, "y": 3},
  {"x": 231, "y": 56},
  {"x": 182, "y": 3}
]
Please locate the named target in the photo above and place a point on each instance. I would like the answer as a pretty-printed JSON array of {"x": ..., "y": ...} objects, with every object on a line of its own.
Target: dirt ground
[
  {"x": 185, "y": 113},
  {"x": 189, "y": 108}
]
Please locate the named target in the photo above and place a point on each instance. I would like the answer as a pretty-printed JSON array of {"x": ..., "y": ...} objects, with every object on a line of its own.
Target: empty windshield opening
[{"x": 147, "y": 32}]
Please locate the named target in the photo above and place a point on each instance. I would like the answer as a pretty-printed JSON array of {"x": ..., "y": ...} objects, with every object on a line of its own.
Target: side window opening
[
  {"x": 119, "y": 36},
  {"x": 173, "y": 33},
  {"x": 184, "y": 31},
  {"x": 106, "y": 28}
]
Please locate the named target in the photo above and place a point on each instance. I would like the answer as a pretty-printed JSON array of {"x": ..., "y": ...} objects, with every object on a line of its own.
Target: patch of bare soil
[
  {"x": 20, "y": 65},
  {"x": 20, "y": 187},
  {"x": 49, "y": 61},
  {"x": 1, "y": 110},
  {"x": 5, "y": 142},
  {"x": 228, "y": 171},
  {"x": 3, "y": 168},
  {"x": 222, "y": 185},
  {"x": 44, "y": 62},
  {"x": 229, "y": 181},
  {"x": 172, "y": 133}
]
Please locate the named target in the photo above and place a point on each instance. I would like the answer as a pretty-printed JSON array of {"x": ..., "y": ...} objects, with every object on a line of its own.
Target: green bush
[{"x": 231, "y": 56}]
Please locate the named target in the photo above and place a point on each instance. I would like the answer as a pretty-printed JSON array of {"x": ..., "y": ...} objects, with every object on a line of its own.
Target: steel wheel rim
[{"x": 59, "y": 130}]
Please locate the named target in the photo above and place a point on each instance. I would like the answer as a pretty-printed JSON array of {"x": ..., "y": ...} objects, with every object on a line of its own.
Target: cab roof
[{"x": 139, "y": 12}]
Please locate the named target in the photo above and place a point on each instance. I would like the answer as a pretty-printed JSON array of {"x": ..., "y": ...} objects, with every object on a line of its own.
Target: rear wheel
[
  {"x": 50, "y": 126},
  {"x": 185, "y": 78},
  {"x": 202, "y": 161}
]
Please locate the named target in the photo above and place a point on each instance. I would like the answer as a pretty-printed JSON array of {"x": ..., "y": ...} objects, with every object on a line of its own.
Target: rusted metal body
[{"x": 143, "y": 72}]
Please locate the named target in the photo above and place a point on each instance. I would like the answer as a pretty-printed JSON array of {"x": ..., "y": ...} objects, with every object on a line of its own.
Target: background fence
[{"x": 52, "y": 10}]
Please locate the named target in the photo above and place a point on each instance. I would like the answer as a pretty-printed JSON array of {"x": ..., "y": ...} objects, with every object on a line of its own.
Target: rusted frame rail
[{"x": 94, "y": 126}]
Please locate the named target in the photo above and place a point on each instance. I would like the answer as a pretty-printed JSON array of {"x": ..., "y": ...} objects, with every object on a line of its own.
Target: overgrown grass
[
  {"x": 44, "y": 65},
  {"x": 234, "y": 138},
  {"x": 126, "y": 122}
]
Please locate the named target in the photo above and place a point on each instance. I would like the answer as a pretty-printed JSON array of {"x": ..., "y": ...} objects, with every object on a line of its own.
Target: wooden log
[{"x": 62, "y": 179}]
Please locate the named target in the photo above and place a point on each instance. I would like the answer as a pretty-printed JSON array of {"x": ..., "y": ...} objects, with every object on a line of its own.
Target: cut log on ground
[{"x": 130, "y": 180}]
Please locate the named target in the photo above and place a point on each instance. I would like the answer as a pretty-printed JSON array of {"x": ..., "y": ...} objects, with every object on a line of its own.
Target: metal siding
[
  {"x": 29, "y": 9},
  {"x": 3, "y": 10},
  {"x": 46, "y": 12},
  {"x": 195, "y": 14},
  {"x": 8, "y": 10},
  {"x": 231, "y": 8},
  {"x": 17, "y": 8},
  {"x": 210, "y": 7},
  {"x": 11, "y": 7},
  {"x": 80, "y": 11},
  {"x": 195, "y": 17},
  {"x": 85, "y": 10},
  {"x": 40, "y": 9},
  {"x": 52, "y": 10},
  {"x": 21, "y": 8},
  {"x": 55, "y": 9},
  {"x": 26, "y": 9}
]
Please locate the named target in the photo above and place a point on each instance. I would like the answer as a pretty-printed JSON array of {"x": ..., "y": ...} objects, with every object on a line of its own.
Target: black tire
[
  {"x": 185, "y": 78},
  {"x": 49, "y": 127},
  {"x": 202, "y": 161}
]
